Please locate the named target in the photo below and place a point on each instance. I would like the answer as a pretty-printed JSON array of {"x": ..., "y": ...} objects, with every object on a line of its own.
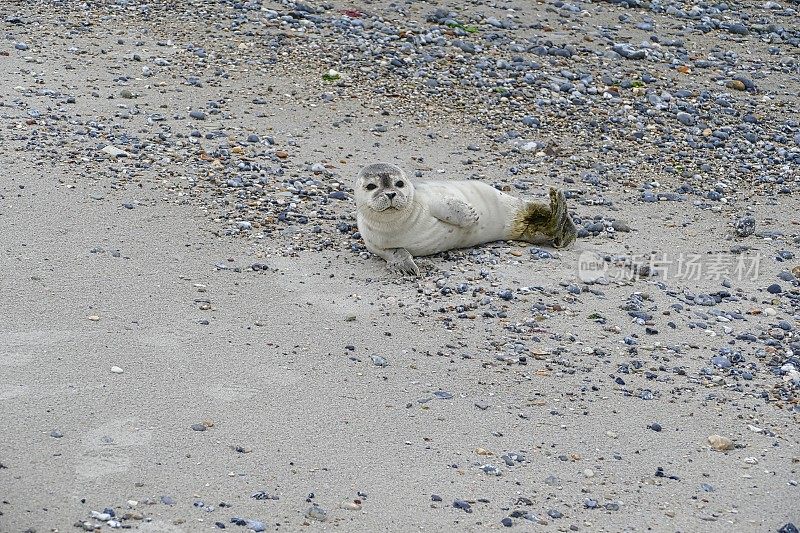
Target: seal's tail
[{"x": 537, "y": 219}]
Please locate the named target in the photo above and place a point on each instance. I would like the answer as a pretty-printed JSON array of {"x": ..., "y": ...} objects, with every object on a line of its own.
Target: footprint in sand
[
  {"x": 276, "y": 378},
  {"x": 95, "y": 464},
  {"x": 18, "y": 348},
  {"x": 15, "y": 359},
  {"x": 8, "y": 392},
  {"x": 106, "y": 449}
]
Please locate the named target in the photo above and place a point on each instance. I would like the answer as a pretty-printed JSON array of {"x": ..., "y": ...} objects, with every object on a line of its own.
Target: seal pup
[{"x": 400, "y": 220}]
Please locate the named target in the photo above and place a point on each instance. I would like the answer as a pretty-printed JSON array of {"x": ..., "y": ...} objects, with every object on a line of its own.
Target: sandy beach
[{"x": 193, "y": 336}]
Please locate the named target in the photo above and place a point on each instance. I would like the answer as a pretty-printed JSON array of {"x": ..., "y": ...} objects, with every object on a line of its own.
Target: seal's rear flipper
[
  {"x": 536, "y": 220},
  {"x": 565, "y": 232}
]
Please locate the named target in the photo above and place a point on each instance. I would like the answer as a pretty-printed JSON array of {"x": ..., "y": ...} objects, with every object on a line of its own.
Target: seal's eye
[
  {"x": 371, "y": 187},
  {"x": 399, "y": 184}
]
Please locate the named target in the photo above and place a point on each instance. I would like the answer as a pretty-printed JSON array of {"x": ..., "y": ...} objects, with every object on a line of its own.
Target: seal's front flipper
[
  {"x": 454, "y": 211},
  {"x": 400, "y": 261}
]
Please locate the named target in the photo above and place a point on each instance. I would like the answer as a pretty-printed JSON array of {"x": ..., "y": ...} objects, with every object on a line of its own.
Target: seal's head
[{"x": 383, "y": 187}]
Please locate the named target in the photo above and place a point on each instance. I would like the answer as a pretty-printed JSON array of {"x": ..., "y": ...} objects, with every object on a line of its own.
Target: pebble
[
  {"x": 745, "y": 226},
  {"x": 721, "y": 361},
  {"x": 255, "y": 525},
  {"x": 350, "y": 506},
  {"x": 463, "y": 505},
  {"x": 737, "y": 85},
  {"x": 629, "y": 52},
  {"x": 317, "y": 513},
  {"x": 720, "y": 443},
  {"x": 113, "y": 151},
  {"x": 552, "y": 480},
  {"x": 685, "y": 118},
  {"x": 491, "y": 470},
  {"x": 620, "y": 226},
  {"x": 197, "y": 114},
  {"x": 116, "y": 370},
  {"x": 377, "y": 360}
]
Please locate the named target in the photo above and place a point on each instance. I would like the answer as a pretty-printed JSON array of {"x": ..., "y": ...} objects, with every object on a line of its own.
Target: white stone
[{"x": 113, "y": 151}]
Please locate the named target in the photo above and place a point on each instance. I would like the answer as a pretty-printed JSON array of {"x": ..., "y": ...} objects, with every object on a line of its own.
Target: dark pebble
[
  {"x": 745, "y": 226},
  {"x": 774, "y": 289},
  {"x": 462, "y": 504}
]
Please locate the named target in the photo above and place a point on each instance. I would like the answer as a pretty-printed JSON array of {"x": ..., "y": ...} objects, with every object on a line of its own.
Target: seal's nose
[{"x": 391, "y": 195}]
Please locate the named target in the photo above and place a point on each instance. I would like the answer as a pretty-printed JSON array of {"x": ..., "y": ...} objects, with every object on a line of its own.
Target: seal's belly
[
  {"x": 435, "y": 236},
  {"x": 431, "y": 235}
]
